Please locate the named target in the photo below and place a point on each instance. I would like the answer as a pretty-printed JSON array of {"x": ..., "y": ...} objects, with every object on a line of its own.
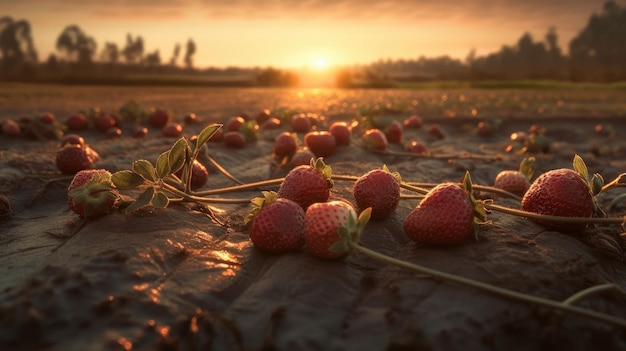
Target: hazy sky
[{"x": 297, "y": 33}]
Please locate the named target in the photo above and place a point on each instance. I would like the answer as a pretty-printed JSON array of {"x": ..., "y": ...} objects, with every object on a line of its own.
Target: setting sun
[{"x": 320, "y": 63}]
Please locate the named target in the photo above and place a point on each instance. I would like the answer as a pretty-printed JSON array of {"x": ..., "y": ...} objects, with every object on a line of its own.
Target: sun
[{"x": 320, "y": 63}]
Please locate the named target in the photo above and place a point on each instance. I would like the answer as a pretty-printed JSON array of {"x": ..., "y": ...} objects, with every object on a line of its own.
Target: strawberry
[
  {"x": 105, "y": 121},
  {"x": 516, "y": 182},
  {"x": 300, "y": 123},
  {"x": 330, "y": 227},
  {"x": 413, "y": 122},
  {"x": 199, "y": 175},
  {"x": 302, "y": 157},
  {"x": 76, "y": 122},
  {"x": 159, "y": 118},
  {"x": 436, "y": 131},
  {"x": 190, "y": 118},
  {"x": 72, "y": 139},
  {"x": 72, "y": 158},
  {"x": 139, "y": 132},
  {"x": 445, "y": 216},
  {"x": 272, "y": 123},
  {"x": 560, "y": 192},
  {"x": 285, "y": 144},
  {"x": 277, "y": 224},
  {"x": 375, "y": 139},
  {"x": 307, "y": 184},
  {"x": 113, "y": 132},
  {"x": 91, "y": 193},
  {"x": 11, "y": 127},
  {"x": 234, "y": 123},
  {"x": 378, "y": 189},
  {"x": 341, "y": 131},
  {"x": 263, "y": 116},
  {"x": 416, "y": 147},
  {"x": 234, "y": 139},
  {"x": 322, "y": 143},
  {"x": 393, "y": 132}
]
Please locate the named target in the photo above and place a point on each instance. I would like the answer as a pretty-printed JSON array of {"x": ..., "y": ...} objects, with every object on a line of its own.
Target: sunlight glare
[{"x": 321, "y": 64}]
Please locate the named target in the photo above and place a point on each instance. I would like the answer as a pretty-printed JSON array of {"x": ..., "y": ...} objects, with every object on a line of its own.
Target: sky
[{"x": 305, "y": 33}]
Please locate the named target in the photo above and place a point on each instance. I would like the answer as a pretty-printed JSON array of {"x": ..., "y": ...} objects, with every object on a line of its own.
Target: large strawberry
[
  {"x": 72, "y": 158},
  {"x": 330, "y": 227},
  {"x": 378, "y": 189},
  {"x": 307, "y": 184},
  {"x": 322, "y": 143},
  {"x": 92, "y": 194},
  {"x": 446, "y": 215},
  {"x": 277, "y": 223},
  {"x": 516, "y": 182},
  {"x": 561, "y": 192}
]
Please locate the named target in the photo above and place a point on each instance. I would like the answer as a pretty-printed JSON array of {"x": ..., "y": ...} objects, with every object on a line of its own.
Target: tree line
[{"x": 597, "y": 53}]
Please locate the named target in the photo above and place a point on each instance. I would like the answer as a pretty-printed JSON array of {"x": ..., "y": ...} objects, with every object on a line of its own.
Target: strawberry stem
[
  {"x": 562, "y": 306},
  {"x": 466, "y": 156},
  {"x": 563, "y": 219}
]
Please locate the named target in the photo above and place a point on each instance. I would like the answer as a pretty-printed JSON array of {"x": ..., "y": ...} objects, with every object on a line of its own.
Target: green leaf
[
  {"x": 467, "y": 183},
  {"x": 206, "y": 134},
  {"x": 160, "y": 200},
  {"x": 144, "y": 199},
  {"x": 526, "y": 167},
  {"x": 145, "y": 169},
  {"x": 163, "y": 164},
  {"x": 127, "y": 179},
  {"x": 581, "y": 168},
  {"x": 178, "y": 155},
  {"x": 597, "y": 183}
]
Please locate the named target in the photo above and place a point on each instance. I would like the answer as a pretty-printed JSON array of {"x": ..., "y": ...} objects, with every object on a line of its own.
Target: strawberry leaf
[
  {"x": 178, "y": 155},
  {"x": 581, "y": 168},
  {"x": 467, "y": 182},
  {"x": 361, "y": 222},
  {"x": 160, "y": 200},
  {"x": 145, "y": 169},
  {"x": 163, "y": 164},
  {"x": 144, "y": 199},
  {"x": 127, "y": 179},
  {"x": 597, "y": 183},
  {"x": 206, "y": 134},
  {"x": 526, "y": 167}
]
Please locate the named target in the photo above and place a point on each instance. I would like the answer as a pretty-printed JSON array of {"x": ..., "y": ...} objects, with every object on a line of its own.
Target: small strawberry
[
  {"x": 413, "y": 122},
  {"x": 139, "y": 132},
  {"x": 516, "y": 182},
  {"x": 341, "y": 131},
  {"x": 321, "y": 143},
  {"x": 561, "y": 192},
  {"x": 190, "y": 118},
  {"x": 277, "y": 224},
  {"x": 72, "y": 139},
  {"x": 233, "y": 124},
  {"x": 302, "y": 157},
  {"x": 91, "y": 193},
  {"x": 234, "y": 139},
  {"x": 416, "y": 147},
  {"x": 105, "y": 121},
  {"x": 159, "y": 117},
  {"x": 172, "y": 130},
  {"x": 72, "y": 158},
  {"x": 393, "y": 132},
  {"x": 272, "y": 123},
  {"x": 445, "y": 216},
  {"x": 11, "y": 127},
  {"x": 375, "y": 139},
  {"x": 263, "y": 116},
  {"x": 77, "y": 122},
  {"x": 301, "y": 123},
  {"x": 436, "y": 131},
  {"x": 378, "y": 189},
  {"x": 307, "y": 184},
  {"x": 199, "y": 175},
  {"x": 285, "y": 144},
  {"x": 330, "y": 227}
]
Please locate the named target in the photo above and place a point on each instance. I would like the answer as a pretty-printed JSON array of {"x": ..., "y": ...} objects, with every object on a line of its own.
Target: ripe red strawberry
[
  {"x": 105, "y": 121},
  {"x": 307, "y": 184},
  {"x": 91, "y": 193},
  {"x": 436, "y": 131},
  {"x": 139, "y": 132},
  {"x": 341, "y": 131},
  {"x": 263, "y": 116},
  {"x": 445, "y": 216},
  {"x": 285, "y": 144},
  {"x": 159, "y": 118},
  {"x": 11, "y": 127},
  {"x": 375, "y": 139},
  {"x": 234, "y": 123},
  {"x": 190, "y": 118},
  {"x": 72, "y": 158},
  {"x": 302, "y": 157},
  {"x": 113, "y": 132},
  {"x": 560, "y": 192},
  {"x": 330, "y": 227},
  {"x": 416, "y": 147},
  {"x": 272, "y": 123},
  {"x": 234, "y": 139},
  {"x": 199, "y": 175},
  {"x": 393, "y": 132},
  {"x": 72, "y": 139},
  {"x": 413, "y": 122},
  {"x": 300, "y": 123},
  {"x": 277, "y": 224},
  {"x": 77, "y": 122},
  {"x": 516, "y": 182},
  {"x": 378, "y": 189},
  {"x": 322, "y": 143}
]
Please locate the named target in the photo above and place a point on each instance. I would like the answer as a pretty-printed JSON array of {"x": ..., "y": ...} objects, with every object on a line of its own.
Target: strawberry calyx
[
  {"x": 394, "y": 174},
  {"x": 351, "y": 232},
  {"x": 325, "y": 170},
  {"x": 526, "y": 167},
  {"x": 595, "y": 183},
  {"x": 96, "y": 196},
  {"x": 259, "y": 203}
]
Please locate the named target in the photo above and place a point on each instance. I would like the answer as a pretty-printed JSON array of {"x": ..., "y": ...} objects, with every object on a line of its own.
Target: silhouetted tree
[
  {"x": 175, "y": 55},
  {"x": 16, "y": 44},
  {"x": 599, "y": 50},
  {"x": 110, "y": 53},
  {"x": 191, "y": 50},
  {"x": 133, "y": 51},
  {"x": 153, "y": 59},
  {"x": 77, "y": 45}
]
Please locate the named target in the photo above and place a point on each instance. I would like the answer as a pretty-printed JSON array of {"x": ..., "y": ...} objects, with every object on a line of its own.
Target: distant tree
[
  {"x": 77, "y": 45},
  {"x": 599, "y": 50},
  {"x": 175, "y": 55},
  {"x": 271, "y": 77},
  {"x": 343, "y": 78},
  {"x": 16, "y": 44},
  {"x": 133, "y": 51},
  {"x": 110, "y": 53},
  {"x": 191, "y": 50},
  {"x": 153, "y": 59}
]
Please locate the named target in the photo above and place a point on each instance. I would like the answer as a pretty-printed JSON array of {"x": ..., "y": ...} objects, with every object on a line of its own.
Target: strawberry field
[{"x": 312, "y": 219}]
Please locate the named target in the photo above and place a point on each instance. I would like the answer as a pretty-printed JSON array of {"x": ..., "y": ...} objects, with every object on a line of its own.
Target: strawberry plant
[{"x": 92, "y": 194}]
